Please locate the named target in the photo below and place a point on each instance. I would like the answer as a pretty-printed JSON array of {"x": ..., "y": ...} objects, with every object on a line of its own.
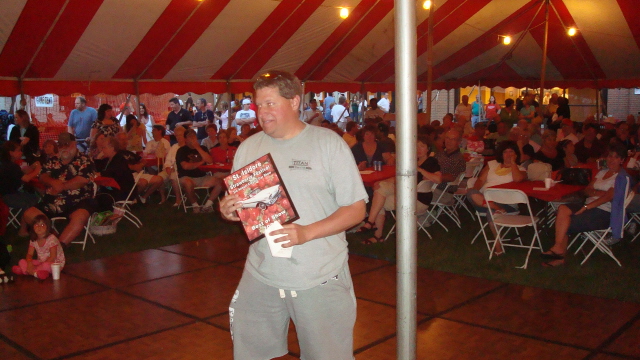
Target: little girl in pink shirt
[{"x": 46, "y": 246}]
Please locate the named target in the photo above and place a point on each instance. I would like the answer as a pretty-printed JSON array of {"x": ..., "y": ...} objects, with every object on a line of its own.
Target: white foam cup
[
  {"x": 548, "y": 182},
  {"x": 55, "y": 271}
]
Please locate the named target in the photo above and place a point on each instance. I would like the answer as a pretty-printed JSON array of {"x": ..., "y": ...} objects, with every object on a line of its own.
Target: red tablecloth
[
  {"x": 388, "y": 171},
  {"x": 106, "y": 181},
  {"x": 556, "y": 192},
  {"x": 150, "y": 161},
  {"x": 215, "y": 167}
]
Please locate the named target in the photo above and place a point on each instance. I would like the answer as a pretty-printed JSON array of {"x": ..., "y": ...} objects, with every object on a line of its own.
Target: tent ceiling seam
[
  {"x": 255, "y": 50},
  {"x": 169, "y": 41},
  {"x": 586, "y": 63},
  {"x": 44, "y": 39},
  {"x": 328, "y": 54},
  {"x": 509, "y": 53}
]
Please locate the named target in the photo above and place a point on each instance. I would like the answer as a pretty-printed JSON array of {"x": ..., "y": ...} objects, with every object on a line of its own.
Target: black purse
[{"x": 575, "y": 176}]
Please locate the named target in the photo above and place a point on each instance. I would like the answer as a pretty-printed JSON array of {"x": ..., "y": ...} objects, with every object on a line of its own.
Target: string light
[
  {"x": 506, "y": 39},
  {"x": 426, "y": 5},
  {"x": 572, "y": 31},
  {"x": 344, "y": 13}
]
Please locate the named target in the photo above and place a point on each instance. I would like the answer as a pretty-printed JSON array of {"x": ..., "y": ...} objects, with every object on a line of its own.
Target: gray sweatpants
[{"x": 324, "y": 317}]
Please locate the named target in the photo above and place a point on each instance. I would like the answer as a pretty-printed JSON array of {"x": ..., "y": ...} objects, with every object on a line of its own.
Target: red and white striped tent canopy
[{"x": 161, "y": 46}]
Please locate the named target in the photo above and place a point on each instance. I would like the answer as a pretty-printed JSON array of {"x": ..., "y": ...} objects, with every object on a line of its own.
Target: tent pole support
[
  {"x": 406, "y": 231},
  {"x": 429, "y": 63},
  {"x": 543, "y": 69},
  {"x": 137, "y": 90}
]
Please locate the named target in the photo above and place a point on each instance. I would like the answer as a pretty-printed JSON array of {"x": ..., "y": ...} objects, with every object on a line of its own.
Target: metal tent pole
[
  {"x": 406, "y": 168},
  {"x": 543, "y": 70},
  {"x": 429, "y": 62}
]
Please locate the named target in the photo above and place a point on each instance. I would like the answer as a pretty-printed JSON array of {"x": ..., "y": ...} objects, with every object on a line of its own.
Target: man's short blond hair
[{"x": 288, "y": 85}]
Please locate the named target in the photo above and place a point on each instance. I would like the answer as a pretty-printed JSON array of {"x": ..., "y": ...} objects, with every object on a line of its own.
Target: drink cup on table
[{"x": 548, "y": 183}]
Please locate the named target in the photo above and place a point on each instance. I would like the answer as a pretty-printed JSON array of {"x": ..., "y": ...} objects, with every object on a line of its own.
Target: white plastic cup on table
[
  {"x": 55, "y": 271},
  {"x": 548, "y": 182}
]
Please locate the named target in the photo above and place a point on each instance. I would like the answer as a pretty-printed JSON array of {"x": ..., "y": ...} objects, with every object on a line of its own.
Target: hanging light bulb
[
  {"x": 426, "y": 5},
  {"x": 572, "y": 31},
  {"x": 344, "y": 13},
  {"x": 506, "y": 40}
]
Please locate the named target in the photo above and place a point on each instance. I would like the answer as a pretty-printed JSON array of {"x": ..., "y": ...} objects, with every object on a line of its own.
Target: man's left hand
[{"x": 294, "y": 233}]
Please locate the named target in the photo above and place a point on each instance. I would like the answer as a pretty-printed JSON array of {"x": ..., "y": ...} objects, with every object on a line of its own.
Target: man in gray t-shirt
[{"x": 313, "y": 287}]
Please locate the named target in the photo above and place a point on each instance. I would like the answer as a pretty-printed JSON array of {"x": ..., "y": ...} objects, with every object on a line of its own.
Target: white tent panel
[
  {"x": 115, "y": 31},
  {"x": 305, "y": 41},
  {"x": 8, "y": 17},
  {"x": 372, "y": 46},
  {"x": 485, "y": 19},
  {"x": 527, "y": 60},
  {"x": 221, "y": 40},
  {"x": 615, "y": 48}
]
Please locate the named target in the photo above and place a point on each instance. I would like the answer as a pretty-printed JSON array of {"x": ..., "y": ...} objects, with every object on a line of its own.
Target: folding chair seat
[
  {"x": 597, "y": 237},
  {"x": 13, "y": 217},
  {"x": 504, "y": 222}
]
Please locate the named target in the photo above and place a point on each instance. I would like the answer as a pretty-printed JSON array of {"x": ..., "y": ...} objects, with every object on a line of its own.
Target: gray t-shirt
[{"x": 321, "y": 176}]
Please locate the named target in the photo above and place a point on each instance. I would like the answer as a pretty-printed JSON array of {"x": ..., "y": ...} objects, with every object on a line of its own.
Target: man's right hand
[{"x": 228, "y": 207}]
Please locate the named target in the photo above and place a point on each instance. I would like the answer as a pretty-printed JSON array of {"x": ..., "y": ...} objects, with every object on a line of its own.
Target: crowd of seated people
[
  {"x": 115, "y": 151},
  {"x": 58, "y": 180}
]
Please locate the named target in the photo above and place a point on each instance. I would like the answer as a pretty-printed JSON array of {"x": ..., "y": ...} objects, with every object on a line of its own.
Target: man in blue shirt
[
  {"x": 81, "y": 120},
  {"x": 327, "y": 107}
]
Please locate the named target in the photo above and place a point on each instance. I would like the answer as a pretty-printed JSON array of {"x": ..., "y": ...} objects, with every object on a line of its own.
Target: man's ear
[{"x": 295, "y": 102}]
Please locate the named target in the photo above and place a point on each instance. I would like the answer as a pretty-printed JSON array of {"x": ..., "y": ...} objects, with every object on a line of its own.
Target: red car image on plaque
[{"x": 263, "y": 195}]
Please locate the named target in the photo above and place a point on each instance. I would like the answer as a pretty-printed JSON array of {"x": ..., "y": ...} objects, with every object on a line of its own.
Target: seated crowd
[{"x": 59, "y": 179}]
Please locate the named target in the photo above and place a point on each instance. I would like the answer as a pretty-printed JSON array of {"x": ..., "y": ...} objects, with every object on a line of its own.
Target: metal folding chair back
[
  {"x": 124, "y": 204},
  {"x": 506, "y": 221}
]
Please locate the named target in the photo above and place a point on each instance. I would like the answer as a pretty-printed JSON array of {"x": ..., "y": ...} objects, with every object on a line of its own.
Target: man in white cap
[{"x": 245, "y": 116}]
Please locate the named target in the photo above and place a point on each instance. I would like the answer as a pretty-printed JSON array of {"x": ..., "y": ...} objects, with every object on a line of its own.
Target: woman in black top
[
  {"x": 27, "y": 135},
  {"x": 13, "y": 177},
  {"x": 370, "y": 150},
  {"x": 116, "y": 166},
  {"x": 384, "y": 192},
  {"x": 549, "y": 153}
]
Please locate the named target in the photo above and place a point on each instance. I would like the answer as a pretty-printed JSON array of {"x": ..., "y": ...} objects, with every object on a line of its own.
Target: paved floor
[{"x": 171, "y": 303}]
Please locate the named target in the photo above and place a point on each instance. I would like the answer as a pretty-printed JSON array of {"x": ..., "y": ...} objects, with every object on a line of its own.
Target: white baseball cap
[{"x": 246, "y": 102}]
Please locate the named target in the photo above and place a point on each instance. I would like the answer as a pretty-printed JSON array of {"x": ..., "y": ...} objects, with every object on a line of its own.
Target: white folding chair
[
  {"x": 13, "y": 217},
  {"x": 183, "y": 197},
  {"x": 439, "y": 207},
  {"x": 597, "y": 237},
  {"x": 461, "y": 194},
  {"x": 505, "y": 221},
  {"x": 423, "y": 186},
  {"x": 634, "y": 217},
  {"x": 123, "y": 205},
  {"x": 87, "y": 233}
]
